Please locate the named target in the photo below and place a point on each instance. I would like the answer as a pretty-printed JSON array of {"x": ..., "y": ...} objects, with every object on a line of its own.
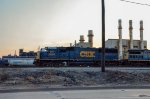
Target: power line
[{"x": 136, "y": 2}]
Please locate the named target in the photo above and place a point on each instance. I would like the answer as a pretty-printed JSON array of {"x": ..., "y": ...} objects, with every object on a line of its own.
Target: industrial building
[
  {"x": 123, "y": 45},
  {"x": 24, "y": 58},
  {"x": 88, "y": 44},
  {"x": 29, "y": 54},
  {"x": 113, "y": 43}
]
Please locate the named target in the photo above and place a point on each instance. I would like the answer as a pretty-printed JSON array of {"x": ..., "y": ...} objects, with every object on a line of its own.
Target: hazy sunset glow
[{"x": 29, "y": 24}]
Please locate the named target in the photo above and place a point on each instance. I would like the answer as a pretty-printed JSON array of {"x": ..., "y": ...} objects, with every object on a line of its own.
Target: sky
[{"x": 29, "y": 24}]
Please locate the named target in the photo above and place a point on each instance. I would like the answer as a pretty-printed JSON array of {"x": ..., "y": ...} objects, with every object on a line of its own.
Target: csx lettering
[{"x": 88, "y": 54}]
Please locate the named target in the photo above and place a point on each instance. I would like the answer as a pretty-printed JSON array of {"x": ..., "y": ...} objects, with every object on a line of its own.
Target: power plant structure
[
  {"x": 118, "y": 52},
  {"x": 88, "y": 44},
  {"x": 120, "y": 41},
  {"x": 123, "y": 45}
]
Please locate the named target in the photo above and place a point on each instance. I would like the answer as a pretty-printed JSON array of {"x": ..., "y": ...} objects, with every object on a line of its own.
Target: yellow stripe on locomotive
[{"x": 87, "y": 54}]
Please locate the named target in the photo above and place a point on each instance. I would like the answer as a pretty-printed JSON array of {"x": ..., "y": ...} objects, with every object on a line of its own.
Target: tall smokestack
[
  {"x": 141, "y": 35},
  {"x": 131, "y": 34},
  {"x": 20, "y": 52},
  {"x": 90, "y": 37},
  {"x": 70, "y": 44},
  {"x": 75, "y": 43},
  {"x": 81, "y": 39},
  {"x": 120, "y": 57}
]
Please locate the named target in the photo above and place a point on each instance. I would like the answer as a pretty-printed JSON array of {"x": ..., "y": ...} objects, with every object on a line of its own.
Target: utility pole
[{"x": 103, "y": 37}]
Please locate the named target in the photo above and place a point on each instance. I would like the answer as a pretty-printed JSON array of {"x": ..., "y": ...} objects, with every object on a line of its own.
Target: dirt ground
[{"x": 31, "y": 77}]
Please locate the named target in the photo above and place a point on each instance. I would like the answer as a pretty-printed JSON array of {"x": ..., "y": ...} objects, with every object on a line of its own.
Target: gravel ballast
[{"x": 64, "y": 77}]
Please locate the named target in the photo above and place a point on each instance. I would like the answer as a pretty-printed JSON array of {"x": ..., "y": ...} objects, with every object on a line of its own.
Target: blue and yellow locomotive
[
  {"x": 74, "y": 56},
  {"x": 77, "y": 56}
]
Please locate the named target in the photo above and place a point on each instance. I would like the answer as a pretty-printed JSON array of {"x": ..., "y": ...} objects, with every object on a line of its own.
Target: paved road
[{"x": 81, "y": 94}]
